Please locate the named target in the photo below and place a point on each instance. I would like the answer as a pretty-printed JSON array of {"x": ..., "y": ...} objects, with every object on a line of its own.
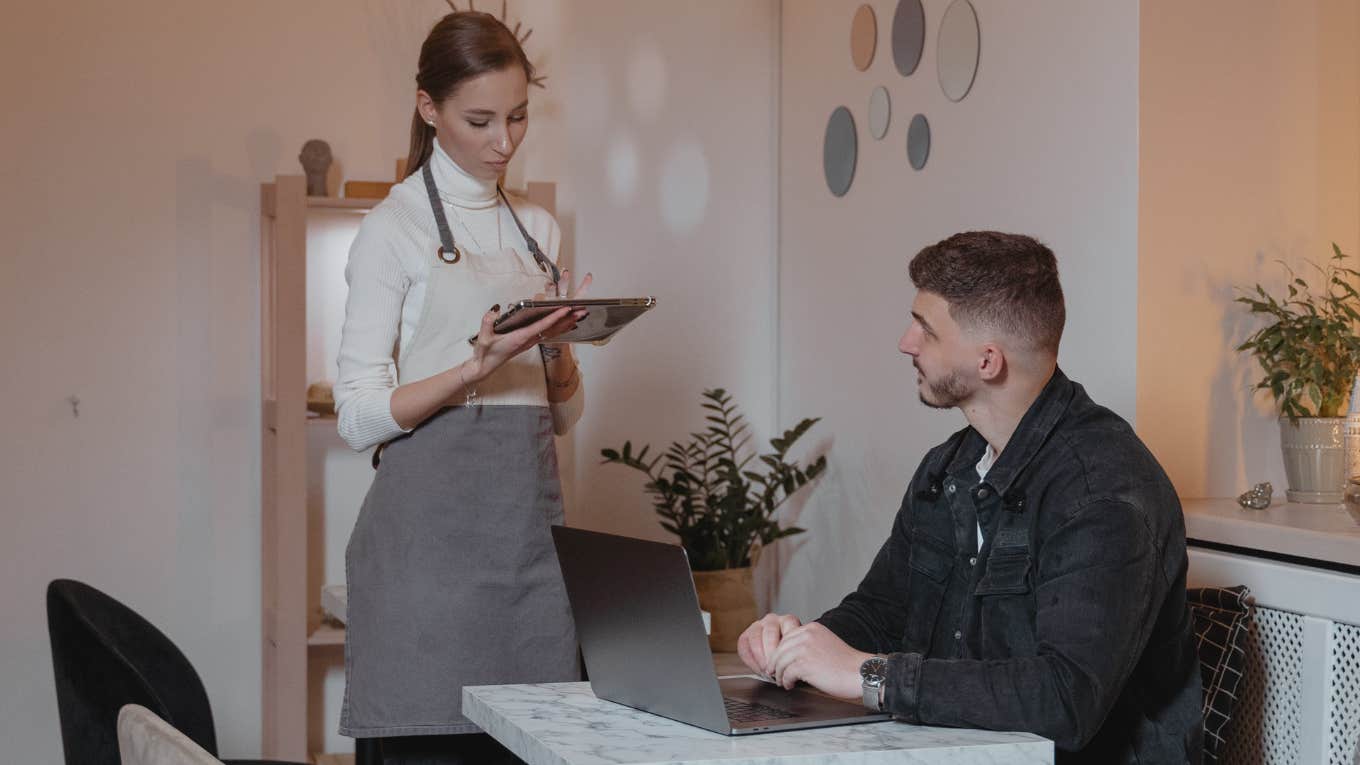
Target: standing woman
[{"x": 451, "y": 572}]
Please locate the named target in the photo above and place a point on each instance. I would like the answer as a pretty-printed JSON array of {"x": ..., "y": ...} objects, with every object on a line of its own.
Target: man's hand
[
  {"x": 812, "y": 653},
  {"x": 757, "y": 644}
]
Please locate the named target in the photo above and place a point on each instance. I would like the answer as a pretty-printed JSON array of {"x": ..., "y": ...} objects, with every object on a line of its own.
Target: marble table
[{"x": 565, "y": 724}]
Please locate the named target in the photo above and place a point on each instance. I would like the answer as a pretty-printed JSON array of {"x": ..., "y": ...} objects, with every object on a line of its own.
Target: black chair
[
  {"x": 105, "y": 655},
  {"x": 1222, "y": 617}
]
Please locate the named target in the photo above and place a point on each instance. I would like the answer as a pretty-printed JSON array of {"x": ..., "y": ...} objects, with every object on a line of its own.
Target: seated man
[{"x": 1034, "y": 579}]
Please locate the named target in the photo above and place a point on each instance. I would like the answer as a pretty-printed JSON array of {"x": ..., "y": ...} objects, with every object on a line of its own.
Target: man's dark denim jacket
[{"x": 1071, "y": 621}]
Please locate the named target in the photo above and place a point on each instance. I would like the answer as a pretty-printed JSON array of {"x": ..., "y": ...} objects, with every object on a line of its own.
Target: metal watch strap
[{"x": 872, "y": 673}]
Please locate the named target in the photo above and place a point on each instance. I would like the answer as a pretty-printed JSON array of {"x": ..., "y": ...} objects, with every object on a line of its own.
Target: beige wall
[{"x": 1249, "y": 153}]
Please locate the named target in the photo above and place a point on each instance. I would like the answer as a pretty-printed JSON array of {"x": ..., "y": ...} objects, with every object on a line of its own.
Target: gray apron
[{"x": 451, "y": 573}]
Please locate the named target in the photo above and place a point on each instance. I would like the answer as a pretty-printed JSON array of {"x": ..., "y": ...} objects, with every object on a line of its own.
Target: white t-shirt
[{"x": 983, "y": 465}]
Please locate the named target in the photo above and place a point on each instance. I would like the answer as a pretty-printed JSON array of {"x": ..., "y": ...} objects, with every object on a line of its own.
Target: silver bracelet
[{"x": 469, "y": 391}]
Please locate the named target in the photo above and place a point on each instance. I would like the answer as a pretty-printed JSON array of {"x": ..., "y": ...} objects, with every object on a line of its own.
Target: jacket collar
[{"x": 1030, "y": 435}]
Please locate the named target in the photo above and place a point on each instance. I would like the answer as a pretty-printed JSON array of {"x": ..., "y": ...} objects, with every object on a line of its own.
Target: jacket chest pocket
[
  {"x": 931, "y": 564},
  {"x": 1007, "y": 572},
  {"x": 1004, "y": 604}
]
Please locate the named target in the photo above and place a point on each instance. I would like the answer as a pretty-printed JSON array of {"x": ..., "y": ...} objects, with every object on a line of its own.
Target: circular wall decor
[
  {"x": 880, "y": 112},
  {"x": 863, "y": 37},
  {"x": 839, "y": 150},
  {"x": 908, "y": 35},
  {"x": 918, "y": 141},
  {"x": 957, "y": 53}
]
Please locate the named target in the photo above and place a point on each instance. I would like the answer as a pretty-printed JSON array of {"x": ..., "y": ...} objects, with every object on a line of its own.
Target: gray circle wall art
[
  {"x": 957, "y": 52},
  {"x": 880, "y": 112},
  {"x": 908, "y": 35},
  {"x": 839, "y": 151},
  {"x": 918, "y": 141}
]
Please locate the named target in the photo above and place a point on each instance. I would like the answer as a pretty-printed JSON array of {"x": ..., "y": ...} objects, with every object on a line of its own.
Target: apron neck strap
[
  {"x": 446, "y": 234},
  {"x": 534, "y": 249},
  {"x": 440, "y": 220}
]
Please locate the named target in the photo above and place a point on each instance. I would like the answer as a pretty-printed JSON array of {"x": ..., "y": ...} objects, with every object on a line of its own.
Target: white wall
[
  {"x": 669, "y": 192},
  {"x": 1250, "y": 130},
  {"x": 1045, "y": 144}
]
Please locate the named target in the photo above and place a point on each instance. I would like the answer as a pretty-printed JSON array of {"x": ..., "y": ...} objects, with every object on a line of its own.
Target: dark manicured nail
[{"x": 496, "y": 308}]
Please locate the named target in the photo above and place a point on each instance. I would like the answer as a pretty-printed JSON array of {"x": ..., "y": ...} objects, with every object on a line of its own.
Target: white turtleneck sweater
[{"x": 387, "y": 274}]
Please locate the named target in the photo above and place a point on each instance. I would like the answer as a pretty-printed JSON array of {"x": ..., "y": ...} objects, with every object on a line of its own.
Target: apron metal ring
[{"x": 457, "y": 255}]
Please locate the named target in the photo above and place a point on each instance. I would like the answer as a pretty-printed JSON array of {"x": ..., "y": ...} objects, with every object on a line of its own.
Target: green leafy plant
[
  {"x": 1309, "y": 351},
  {"x": 706, "y": 494}
]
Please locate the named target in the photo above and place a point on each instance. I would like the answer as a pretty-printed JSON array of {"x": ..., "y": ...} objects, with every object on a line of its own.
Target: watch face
[{"x": 873, "y": 667}]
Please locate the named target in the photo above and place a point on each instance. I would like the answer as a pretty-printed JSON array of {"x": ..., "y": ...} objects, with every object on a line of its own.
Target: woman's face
[{"x": 482, "y": 123}]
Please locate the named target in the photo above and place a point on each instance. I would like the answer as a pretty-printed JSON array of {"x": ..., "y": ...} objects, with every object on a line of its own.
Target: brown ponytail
[
  {"x": 461, "y": 46},
  {"x": 422, "y": 143}
]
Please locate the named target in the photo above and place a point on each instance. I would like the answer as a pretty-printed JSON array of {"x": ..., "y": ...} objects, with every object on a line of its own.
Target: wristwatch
[{"x": 872, "y": 673}]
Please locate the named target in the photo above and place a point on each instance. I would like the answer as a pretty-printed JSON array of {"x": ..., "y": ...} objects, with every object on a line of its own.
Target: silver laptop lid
[{"x": 637, "y": 617}]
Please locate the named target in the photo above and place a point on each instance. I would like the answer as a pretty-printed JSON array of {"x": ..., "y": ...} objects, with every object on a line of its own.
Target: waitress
[{"x": 451, "y": 572}]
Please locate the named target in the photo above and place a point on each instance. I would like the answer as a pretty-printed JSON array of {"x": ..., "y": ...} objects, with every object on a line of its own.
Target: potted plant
[
  {"x": 1310, "y": 353},
  {"x": 720, "y": 498}
]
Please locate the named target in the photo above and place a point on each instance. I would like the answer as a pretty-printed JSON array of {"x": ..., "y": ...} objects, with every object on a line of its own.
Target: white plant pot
[{"x": 1315, "y": 459}]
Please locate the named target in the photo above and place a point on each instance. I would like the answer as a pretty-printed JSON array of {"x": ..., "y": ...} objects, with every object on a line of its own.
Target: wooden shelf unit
[
  {"x": 326, "y": 635},
  {"x": 291, "y": 625},
  {"x": 287, "y": 622},
  {"x": 342, "y": 203}
]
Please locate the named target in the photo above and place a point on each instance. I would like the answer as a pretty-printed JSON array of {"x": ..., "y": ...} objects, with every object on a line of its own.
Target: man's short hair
[{"x": 1007, "y": 282}]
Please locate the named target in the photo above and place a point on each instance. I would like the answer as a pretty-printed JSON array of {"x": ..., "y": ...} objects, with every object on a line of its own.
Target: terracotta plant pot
[{"x": 729, "y": 595}]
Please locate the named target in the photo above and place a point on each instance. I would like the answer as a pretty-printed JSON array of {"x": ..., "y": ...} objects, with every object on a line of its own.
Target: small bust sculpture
[{"x": 316, "y": 161}]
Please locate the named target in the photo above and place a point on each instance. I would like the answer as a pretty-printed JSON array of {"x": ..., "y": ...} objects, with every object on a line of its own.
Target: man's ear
[{"x": 992, "y": 362}]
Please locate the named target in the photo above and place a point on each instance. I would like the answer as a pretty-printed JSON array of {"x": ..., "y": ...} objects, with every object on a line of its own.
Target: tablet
[{"x": 604, "y": 317}]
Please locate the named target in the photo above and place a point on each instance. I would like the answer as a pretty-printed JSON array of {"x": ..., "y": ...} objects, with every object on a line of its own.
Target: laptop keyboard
[{"x": 745, "y": 711}]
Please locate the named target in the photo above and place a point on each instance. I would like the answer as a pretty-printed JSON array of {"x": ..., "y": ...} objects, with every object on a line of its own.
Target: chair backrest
[
  {"x": 146, "y": 739},
  {"x": 1222, "y": 616},
  {"x": 105, "y": 655}
]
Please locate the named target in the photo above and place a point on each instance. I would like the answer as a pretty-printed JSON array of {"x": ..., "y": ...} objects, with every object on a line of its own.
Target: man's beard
[{"x": 945, "y": 393}]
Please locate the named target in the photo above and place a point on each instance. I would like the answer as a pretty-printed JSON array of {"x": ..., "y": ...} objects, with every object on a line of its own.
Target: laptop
[{"x": 637, "y": 617}]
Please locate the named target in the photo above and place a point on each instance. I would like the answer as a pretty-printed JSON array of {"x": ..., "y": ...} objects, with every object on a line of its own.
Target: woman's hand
[
  {"x": 554, "y": 350},
  {"x": 490, "y": 350},
  {"x": 579, "y": 291},
  {"x": 412, "y": 403}
]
